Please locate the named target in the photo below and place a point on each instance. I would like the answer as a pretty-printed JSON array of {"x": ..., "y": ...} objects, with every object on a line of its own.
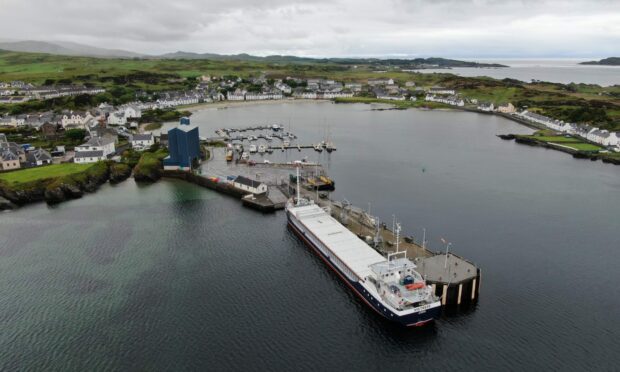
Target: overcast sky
[{"x": 444, "y": 28}]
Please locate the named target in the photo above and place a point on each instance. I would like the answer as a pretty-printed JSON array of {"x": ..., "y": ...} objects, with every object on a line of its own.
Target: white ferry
[{"x": 390, "y": 286}]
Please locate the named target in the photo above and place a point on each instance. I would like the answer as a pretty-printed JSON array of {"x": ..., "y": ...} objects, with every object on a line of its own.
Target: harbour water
[
  {"x": 174, "y": 277},
  {"x": 556, "y": 71}
]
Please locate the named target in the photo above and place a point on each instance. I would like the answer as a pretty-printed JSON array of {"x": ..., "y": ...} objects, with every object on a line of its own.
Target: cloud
[{"x": 459, "y": 28}]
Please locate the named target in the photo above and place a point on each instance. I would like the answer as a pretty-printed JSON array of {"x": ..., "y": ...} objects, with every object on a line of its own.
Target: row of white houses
[
  {"x": 592, "y": 134},
  {"x": 448, "y": 100}
]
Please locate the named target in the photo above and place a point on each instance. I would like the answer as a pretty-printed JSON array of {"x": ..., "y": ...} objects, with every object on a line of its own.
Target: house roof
[
  {"x": 247, "y": 181},
  {"x": 38, "y": 154},
  {"x": 89, "y": 154},
  {"x": 8, "y": 155},
  {"x": 98, "y": 141},
  {"x": 142, "y": 137}
]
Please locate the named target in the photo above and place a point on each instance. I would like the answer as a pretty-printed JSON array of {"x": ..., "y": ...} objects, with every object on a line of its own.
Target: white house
[
  {"x": 74, "y": 118},
  {"x": 103, "y": 144},
  {"x": 82, "y": 157},
  {"x": 284, "y": 88},
  {"x": 236, "y": 96},
  {"x": 486, "y": 107},
  {"x": 249, "y": 185},
  {"x": 117, "y": 118},
  {"x": 440, "y": 90},
  {"x": 353, "y": 87},
  {"x": 133, "y": 112},
  {"x": 142, "y": 140},
  {"x": 375, "y": 82}
]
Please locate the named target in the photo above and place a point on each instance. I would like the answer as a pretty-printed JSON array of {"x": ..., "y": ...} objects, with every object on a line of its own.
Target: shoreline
[{"x": 230, "y": 104}]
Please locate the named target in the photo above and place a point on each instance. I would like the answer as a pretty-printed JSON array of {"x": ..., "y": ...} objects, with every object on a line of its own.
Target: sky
[{"x": 326, "y": 28}]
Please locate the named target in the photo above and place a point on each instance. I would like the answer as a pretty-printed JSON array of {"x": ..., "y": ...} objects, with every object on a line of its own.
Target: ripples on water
[{"x": 175, "y": 277}]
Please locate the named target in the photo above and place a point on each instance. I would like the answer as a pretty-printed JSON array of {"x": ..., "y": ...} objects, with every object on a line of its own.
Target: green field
[
  {"x": 572, "y": 142},
  {"x": 581, "y": 146},
  {"x": 41, "y": 173}
]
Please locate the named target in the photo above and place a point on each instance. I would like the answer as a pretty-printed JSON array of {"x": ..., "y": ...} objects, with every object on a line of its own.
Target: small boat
[
  {"x": 262, "y": 149},
  {"x": 275, "y": 127},
  {"x": 318, "y": 147},
  {"x": 229, "y": 155},
  {"x": 253, "y": 149},
  {"x": 245, "y": 156},
  {"x": 292, "y": 136},
  {"x": 269, "y": 150},
  {"x": 286, "y": 143},
  {"x": 268, "y": 137}
]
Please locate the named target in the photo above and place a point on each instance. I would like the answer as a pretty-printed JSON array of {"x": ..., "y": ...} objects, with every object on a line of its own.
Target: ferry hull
[{"x": 409, "y": 320}]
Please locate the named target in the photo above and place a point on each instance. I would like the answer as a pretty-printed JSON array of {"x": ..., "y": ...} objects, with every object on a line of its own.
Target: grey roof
[
  {"x": 142, "y": 137},
  {"x": 89, "y": 154},
  {"x": 98, "y": 141},
  {"x": 38, "y": 154},
  {"x": 8, "y": 155}
]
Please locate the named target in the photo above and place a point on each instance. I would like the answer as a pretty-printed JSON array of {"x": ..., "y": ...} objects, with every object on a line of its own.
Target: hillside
[
  {"x": 611, "y": 61},
  {"x": 124, "y": 77},
  {"x": 63, "y": 48}
]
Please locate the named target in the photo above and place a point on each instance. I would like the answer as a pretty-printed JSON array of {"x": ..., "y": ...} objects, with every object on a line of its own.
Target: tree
[{"x": 75, "y": 134}]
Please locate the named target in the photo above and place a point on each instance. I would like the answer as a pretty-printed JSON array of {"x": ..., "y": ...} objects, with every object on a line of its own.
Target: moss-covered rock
[
  {"x": 119, "y": 172},
  {"x": 150, "y": 167}
]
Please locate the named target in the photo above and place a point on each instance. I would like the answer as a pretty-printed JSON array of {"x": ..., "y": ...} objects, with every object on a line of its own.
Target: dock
[{"x": 454, "y": 279}]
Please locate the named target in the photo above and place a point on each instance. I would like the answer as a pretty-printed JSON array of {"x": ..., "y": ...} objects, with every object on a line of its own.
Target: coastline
[{"x": 230, "y": 104}]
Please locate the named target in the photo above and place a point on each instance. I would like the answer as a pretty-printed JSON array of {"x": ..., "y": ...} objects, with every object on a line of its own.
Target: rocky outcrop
[
  {"x": 149, "y": 168},
  {"x": 56, "y": 190},
  {"x": 5, "y": 204},
  {"x": 63, "y": 192},
  {"x": 119, "y": 172}
]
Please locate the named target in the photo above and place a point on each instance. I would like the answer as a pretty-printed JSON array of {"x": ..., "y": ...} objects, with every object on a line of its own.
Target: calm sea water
[
  {"x": 557, "y": 71},
  {"x": 175, "y": 277}
]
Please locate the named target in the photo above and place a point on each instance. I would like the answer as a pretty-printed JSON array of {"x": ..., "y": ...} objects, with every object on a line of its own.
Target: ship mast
[{"x": 298, "y": 191}]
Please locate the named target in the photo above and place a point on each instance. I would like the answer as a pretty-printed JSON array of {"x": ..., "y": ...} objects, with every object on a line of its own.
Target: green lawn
[
  {"x": 556, "y": 139},
  {"x": 39, "y": 173},
  {"x": 582, "y": 146}
]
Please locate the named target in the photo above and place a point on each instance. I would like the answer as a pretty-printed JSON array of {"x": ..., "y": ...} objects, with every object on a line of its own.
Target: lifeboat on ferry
[{"x": 414, "y": 286}]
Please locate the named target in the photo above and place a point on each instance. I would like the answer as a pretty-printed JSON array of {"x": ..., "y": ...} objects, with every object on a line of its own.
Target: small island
[{"x": 611, "y": 61}]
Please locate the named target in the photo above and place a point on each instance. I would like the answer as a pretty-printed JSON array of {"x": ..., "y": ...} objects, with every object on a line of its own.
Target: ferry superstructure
[{"x": 390, "y": 286}]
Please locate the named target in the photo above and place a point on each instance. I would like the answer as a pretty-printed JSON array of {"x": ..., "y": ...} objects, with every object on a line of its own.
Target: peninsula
[{"x": 611, "y": 61}]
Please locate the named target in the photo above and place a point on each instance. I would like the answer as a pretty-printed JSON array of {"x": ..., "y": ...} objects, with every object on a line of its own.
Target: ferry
[{"x": 390, "y": 286}]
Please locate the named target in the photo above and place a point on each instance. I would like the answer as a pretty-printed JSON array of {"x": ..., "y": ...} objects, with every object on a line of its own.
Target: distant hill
[
  {"x": 611, "y": 61},
  {"x": 64, "y": 48},
  {"x": 75, "y": 49},
  {"x": 414, "y": 63}
]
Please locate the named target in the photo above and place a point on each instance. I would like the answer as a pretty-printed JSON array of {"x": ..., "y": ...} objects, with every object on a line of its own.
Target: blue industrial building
[{"x": 183, "y": 146}]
